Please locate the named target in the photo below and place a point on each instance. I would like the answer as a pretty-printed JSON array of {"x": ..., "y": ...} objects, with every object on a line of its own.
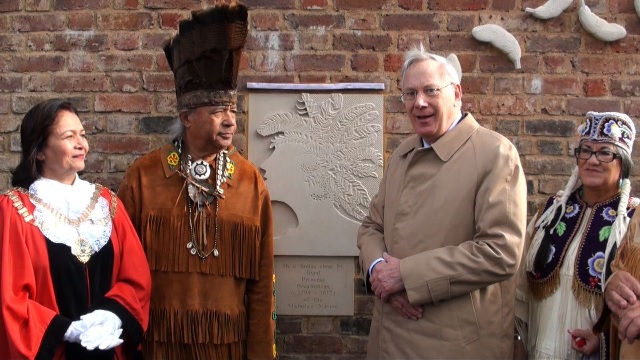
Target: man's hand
[
  {"x": 400, "y": 302},
  {"x": 386, "y": 278},
  {"x": 622, "y": 291},
  {"x": 629, "y": 324}
]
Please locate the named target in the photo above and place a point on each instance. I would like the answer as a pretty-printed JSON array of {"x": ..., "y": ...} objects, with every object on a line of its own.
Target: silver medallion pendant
[{"x": 200, "y": 170}]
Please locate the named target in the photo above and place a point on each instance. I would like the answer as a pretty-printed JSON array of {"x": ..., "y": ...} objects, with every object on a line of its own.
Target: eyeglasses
[
  {"x": 411, "y": 95},
  {"x": 601, "y": 155}
]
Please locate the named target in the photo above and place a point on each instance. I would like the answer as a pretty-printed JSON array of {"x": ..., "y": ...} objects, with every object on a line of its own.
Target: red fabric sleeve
[{"x": 27, "y": 298}]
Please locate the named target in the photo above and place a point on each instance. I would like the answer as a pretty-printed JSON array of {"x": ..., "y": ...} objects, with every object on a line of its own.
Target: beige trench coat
[{"x": 455, "y": 214}]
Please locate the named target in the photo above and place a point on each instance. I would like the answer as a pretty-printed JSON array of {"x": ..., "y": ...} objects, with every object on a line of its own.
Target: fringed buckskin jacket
[{"x": 213, "y": 308}]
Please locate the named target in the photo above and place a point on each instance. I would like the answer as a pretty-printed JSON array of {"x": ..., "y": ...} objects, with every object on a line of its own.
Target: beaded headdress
[{"x": 609, "y": 127}]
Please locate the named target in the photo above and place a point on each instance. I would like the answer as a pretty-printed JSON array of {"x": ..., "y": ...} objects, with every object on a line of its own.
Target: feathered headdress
[{"x": 205, "y": 56}]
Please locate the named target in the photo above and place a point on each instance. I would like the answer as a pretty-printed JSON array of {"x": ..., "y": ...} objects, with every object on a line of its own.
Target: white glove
[
  {"x": 74, "y": 331},
  {"x": 103, "y": 330}
]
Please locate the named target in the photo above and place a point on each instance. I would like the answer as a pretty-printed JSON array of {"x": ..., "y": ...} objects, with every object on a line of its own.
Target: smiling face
[
  {"x": 597, "y": 175},
  {"x": 66, "y": 147},
  {"x": 210, "y": 129},
  {"x": 431, "y": 116}
]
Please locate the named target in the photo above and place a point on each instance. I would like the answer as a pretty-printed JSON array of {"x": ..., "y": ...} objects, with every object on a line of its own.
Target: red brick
[
  {"x": 129, "y": 62},
  {"x": 266, "y": 21},
  {"x": 453, "y": 42},
  {"x": 11, "y": 43},
  {"x": 313, "y": 62},
  {"x": 161, "y": 63},
  {"x": 39, "y": 22},
  {"x": 398, "y": 123},
  {"x": 125, "y": 21},
  {"x": 362, "y": 21},
  {"x": 9, "y": 124},
  {"x": 81, "y": 4},
  {"x": 475, "y": 84},
  {"x": 315, "y": 21},
  {"x": 4, "y": 22},
  {"x": 626, "y": 45},
  {"x": 508, "y": 105},
  {"x": 270, "y": 40},
  {"x": 418, "y": 22},
  {"x": 126, "y": 82},
  {"x": 81, "y": 21},
  {"x": 557, "y": 64},
  {"x": 172, "y": 4},
  {"x": 598, "y": 64},
  {"x": 170, "y": 20},
  {"x": 37, "y": 5},
  {"x": 548, "y": 166},
  {"x": 267, "y": 62},
  {"x": 354, "y": 42},
  {"x": 314, "y": 4},
  {"x": 166, "y": 103},
  {"x": 537, "y": 127},
  {"x": 38, "y": 63},
  {"x": 271, "y": 4},
  {"x": 120, "y": 144},
  {"x": 560, "y": 85},
  {"x": 40, "y": 42},
  {"x": 582, "y": 106},
  {"x": 154, "y": 41},
  {"x": 546, "y": 43},
  {"x": 365, "y": 62},
  {"x": 10, "y": 83},
  {"x": 126, "y": 4},
  {"x": 393, "y": 62},
  {"x": 81, "y": 83},
  {"x": 458, "y": 5},
  {"x": 595, "y": 87},
  {"x": 508, "y": 85},
  {"x": 410, "y": 4},
  {"x": 9, "y": 5},
  {"x": 625, "y": 88},
  {"x": 125, "y": 41},
  {"x": 503, "y": 5},
  {"x": 158, "y": 81},
  {"x": 136, "y": 103},
  {"x": 460, "y": 22},
  {"x": 315, "y": 41},
  {"x": 94, "y": 163},
  {"x": 361, "y": 4},
  {"x": 314, "y": 78},
  {"x": 80, "y": 41},
  {"x": 38, "y": 83},
  {"x": 81, "y": 62}
]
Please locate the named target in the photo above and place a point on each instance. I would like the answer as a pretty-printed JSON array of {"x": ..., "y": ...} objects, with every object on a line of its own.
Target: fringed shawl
[{"x": 589, "y": 262}]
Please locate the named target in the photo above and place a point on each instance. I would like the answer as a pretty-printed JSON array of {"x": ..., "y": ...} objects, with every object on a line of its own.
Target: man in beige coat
[{"x": 444, "y": 235}]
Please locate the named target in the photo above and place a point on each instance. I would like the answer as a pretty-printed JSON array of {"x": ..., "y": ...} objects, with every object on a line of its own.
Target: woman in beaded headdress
[
  {"x": 571, "y": 237},
  {"x": 74, "y": 283}
]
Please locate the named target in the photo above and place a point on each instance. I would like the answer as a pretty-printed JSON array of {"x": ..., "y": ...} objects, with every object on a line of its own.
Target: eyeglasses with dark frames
[
  {"x": 411, "y": 95},
  {"x": 605, "y": 156}
]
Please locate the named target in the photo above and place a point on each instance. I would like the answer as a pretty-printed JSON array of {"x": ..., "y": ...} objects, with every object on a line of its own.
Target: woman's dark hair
[{"x": 34, "y": 132}]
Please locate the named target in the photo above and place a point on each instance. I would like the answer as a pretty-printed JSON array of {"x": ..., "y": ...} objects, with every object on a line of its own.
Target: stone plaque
[
  {"x": 321, "y": 155},
  {"x": 309, "y": 285}
]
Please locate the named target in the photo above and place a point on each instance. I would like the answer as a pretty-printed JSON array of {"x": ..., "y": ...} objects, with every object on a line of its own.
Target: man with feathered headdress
[{"x": 203, "y": 211}]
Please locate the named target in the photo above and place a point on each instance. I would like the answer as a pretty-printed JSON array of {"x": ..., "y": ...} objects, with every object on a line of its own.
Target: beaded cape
[{"x": 590, "y": 262}]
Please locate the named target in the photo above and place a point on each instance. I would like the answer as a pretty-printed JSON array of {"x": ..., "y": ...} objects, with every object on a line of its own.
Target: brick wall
[{"x": 105, "y": 55}]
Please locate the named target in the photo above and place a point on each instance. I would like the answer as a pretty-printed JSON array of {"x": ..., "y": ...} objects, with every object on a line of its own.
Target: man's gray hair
[{"x": 418, "y": 53}]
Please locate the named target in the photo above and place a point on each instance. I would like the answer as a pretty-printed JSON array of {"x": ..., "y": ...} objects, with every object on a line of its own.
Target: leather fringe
[
  {"x": 587, "y": 297},
  {"x": 173, "y": 326},
  {"x": 165, "y": 240},
  {"x": 169, "y": 351},
  {"x": 628, "y": 258},
  {"x": 541, "y": 290}
]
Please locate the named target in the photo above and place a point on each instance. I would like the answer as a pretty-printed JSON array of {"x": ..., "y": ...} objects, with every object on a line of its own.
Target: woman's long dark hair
[{"x": 34, "y": 132}]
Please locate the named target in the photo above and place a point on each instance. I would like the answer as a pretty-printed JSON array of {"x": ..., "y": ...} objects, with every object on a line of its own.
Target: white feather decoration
[
  {"x": 636, "y": 4},
  {"x": 501, "y": 39},
  {"x": 550, "y": 9},
  {"x": 599, "y": 27},
  {"x": 453, "y": 60}
]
